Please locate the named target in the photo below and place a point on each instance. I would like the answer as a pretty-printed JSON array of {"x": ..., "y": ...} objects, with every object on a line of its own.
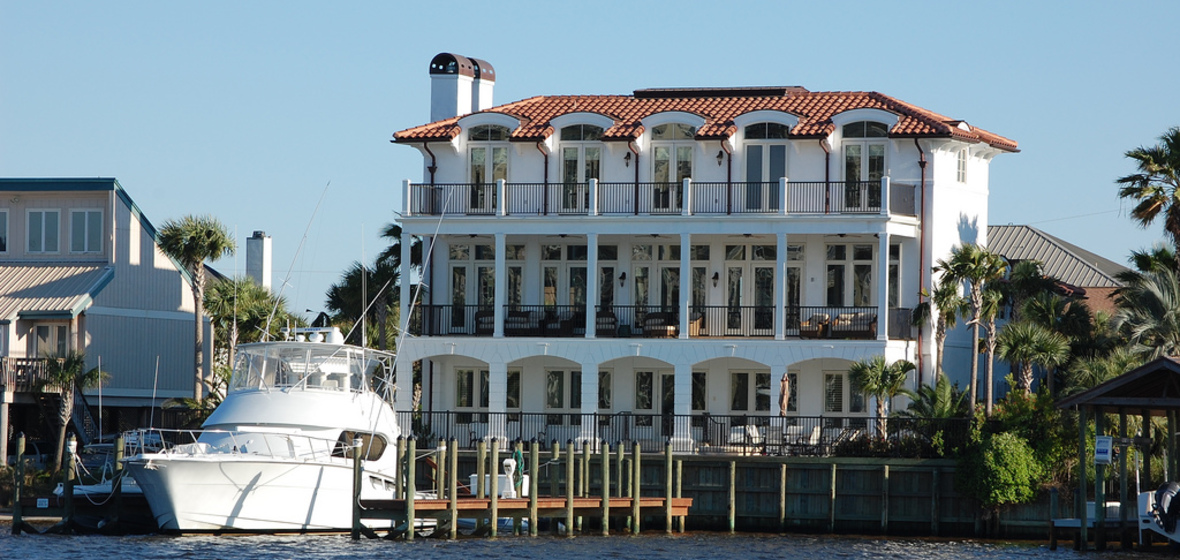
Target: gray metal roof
[
  {"x": 51, "y": 290},
  {"x": 1062, "y": 260}
]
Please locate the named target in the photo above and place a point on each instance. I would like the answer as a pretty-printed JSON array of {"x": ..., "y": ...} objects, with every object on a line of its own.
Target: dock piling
[
  {"x": 569, "y": 488},
  {"x": 668, "y": 487},
  {"x": 481, "y": 485},
  {"x": 636, "y": 485},
  {"x": 411, "y": 487},
  {"x": 731, "y": 503},
  {"x": 356, "y": 489},
  {"x": 453, "y": 486},
  {"x": 534, "y": 483},
  {"x": 18, "y": 522},
  {"x": 494, "y": 516},
  {"x": 606, "y": 456}
]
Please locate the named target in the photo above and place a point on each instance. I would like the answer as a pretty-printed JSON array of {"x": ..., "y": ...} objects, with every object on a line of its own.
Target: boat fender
[{"x": 1167, "y": 506}]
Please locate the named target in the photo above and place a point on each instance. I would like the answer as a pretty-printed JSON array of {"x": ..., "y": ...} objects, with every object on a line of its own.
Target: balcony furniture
[
  {"x": 815, "y": 327},
  {"x": 605, "y": 324},
  {"x": 659, "y": 325},
  {"x": 695, "y": 322},
  {"x": 485, "y": 322},
  {"x": 522, "y": 323},
  {"x": 854, "y": 325},
  {"x": 564, "y": 323}
]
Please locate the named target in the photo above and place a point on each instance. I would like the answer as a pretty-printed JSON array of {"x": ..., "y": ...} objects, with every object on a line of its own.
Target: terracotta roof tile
[{"x": 718, "y": 108}]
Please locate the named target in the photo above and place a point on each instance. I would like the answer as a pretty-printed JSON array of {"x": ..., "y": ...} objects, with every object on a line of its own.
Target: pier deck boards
[{"x": 547, "y": 506}]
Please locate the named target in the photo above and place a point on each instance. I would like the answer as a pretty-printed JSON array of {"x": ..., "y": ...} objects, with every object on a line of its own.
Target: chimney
[
  {"x": 258, "y": 258},
  {"x": 459, "y": 85}
]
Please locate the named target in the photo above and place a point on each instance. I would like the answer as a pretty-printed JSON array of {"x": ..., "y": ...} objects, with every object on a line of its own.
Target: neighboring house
[
  {"x": 600, "y": 262},
  {"x": 80, "y": 269},
  {"x": 1083, "y": 273}
]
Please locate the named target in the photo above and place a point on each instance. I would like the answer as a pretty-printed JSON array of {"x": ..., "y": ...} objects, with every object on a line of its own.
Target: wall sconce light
[
  {"x": 720, "y": 157},
  {"x": 15, "y": 199},
  {"x": 716, "y": 278},
  {"x": 622, "y": 278},
  {"x": 627, "y": 160}
]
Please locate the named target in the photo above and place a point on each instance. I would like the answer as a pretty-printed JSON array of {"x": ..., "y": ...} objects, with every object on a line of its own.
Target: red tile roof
[{"x": 718, "y": 107}]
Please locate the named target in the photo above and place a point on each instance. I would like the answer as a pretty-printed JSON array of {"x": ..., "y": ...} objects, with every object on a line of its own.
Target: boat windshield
[{"x": 283, "y": 365}]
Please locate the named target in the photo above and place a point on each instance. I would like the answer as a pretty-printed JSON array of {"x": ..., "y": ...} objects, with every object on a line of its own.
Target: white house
[
  {"x": 675, "y": 253},
  {"x": 80, "y": 269}
]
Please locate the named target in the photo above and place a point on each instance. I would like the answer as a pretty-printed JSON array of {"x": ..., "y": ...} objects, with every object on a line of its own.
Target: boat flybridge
[{"x": 276, "y": 454}]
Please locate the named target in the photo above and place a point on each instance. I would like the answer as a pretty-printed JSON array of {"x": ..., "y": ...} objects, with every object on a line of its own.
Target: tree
[
  {"x": 941, "y": 400},
  {"x": 1025, "y": 280},
  {"x": 67, "y": 373},
  {"x": 1026, "y": 344},
  {"x": 1148, "y": 314},
  {"x": 881, "y": 380},
  {"x": 993, "y": 302},
  {"x": 1156, "y": 187},
  {"x": 1088, "y": 373},
  {"x": 363, "y": 292},
  {"x": 240, "y": 310},
  {"x": 191, "y": 241},
  {"x": 975, "y": 266},
  {"x": 949, "y": 306}
]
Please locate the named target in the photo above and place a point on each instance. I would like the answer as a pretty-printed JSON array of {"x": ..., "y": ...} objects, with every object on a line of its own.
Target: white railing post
[
  {"x": 885, "y": 195},
  {"x": 784, "y": 190},
  {"x": 407, "y": 193},
  {"x": 593, "y": 197},
  {"x": 686, "y": 197},
  {"x": 501, "y": 189}
]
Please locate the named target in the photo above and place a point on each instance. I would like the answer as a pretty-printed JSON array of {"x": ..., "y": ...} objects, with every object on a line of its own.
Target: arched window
[
  {"x": 864, "y": 163},
  {"x": 581, "y": 157},
  {"x": 672, "y": 149},
  {"x": 766, "y": 163},
  {"x": 488, "y": 132}
]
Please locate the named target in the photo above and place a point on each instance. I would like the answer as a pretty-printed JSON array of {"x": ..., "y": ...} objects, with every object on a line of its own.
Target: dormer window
[
  {"x": 488, "y": 164},
  {"x": 673, "y": 131},
  {"x": 866, "y": 129},
  {"x": 581, "y": 133},
  {"x": 672, "y": 149},
  {"x": 488, "y": 132},
  {"x": 767, "y": 131},
  {"x": 766, "y": 163},
  {"x": 581, "y": 157},
  {"x": 864, "y": 164}
]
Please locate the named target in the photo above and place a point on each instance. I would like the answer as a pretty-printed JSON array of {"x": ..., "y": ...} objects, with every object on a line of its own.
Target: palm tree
[
  {"x": 1027, "y": 344},
  {"x": 364, "y": 292},
  {"x": 1156, "y": 187},
  {"x": 1148, "y": 313},
  {"x": 881, "y": 380},
  {"x": 1149, "y": 260},
  {"x": 941, "y": 400},
  {"x": 1088, "y": 373},
  {"x": 1025, "y": 280},
  {"x": 191, "y": 241},
  {"x": 67, "y": 373},
  {"x": 949, "y": 306},
  {"x": 993, "y": 302},
  {"x": 976, "y": 266},
  {"x": 240, "y": 309}
]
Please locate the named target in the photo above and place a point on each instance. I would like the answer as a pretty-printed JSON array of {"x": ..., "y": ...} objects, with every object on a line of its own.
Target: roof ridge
[{"x": 1067, "y": 247}]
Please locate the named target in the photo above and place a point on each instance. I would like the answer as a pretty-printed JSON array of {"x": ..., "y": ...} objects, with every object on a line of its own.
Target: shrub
[{"x": 1002, "y": 470}]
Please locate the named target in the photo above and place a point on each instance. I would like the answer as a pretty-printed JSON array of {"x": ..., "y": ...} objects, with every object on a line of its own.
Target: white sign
[
  {"x": 42, "y": 503},
  {"x": 1103, "y": 445}
]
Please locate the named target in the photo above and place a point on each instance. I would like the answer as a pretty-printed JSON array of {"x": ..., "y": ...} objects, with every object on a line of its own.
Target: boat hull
[{"x": 244, "y": 494}]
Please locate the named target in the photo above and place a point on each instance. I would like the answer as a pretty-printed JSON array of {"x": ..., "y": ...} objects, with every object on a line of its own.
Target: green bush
[{"x": 1001, "y": 470}]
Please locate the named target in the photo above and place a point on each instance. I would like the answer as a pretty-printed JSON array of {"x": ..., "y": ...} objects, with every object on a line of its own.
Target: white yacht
[{"x": 276, "y": 455}]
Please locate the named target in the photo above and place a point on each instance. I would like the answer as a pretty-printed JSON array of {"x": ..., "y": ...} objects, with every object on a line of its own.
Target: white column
[
  {"x": 885, "y": 195},
  {"x": 780, "y": 287},
  {"x": 593, "y": 210},
  {"x": 686, "y": 198},
  {"x": 501, "y": 285},
  {"x": 592, "y": 283},
  {"x": 682, "y": 407},
  {"x": 500, "y": 198},
  {"x": 403, "y": 398},
  {"x": 588, "y": 430},
  {"x": 785, "y": 191},
  {"x": 5, "y": 398},
  {"x": 685, "y": 280},
  {"x": 407, "y": 193},
  {"x": 497, "y": 400},
  {"x": 883, "y": 285}
]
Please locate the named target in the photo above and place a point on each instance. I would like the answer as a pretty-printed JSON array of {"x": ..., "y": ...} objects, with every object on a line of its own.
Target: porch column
[
  {"x": 591, "y": 284},
  {"x": 776, "y": 431},
  {"x": 780, "y": 287},
  {"x": 497, "y": 400},
  {"x": 404, "y": 297},
  {"x": 589, "y": 407},
  {"x": 685, "y": 281},
  {"x": 883, "y": 285},
  {"x": 682, "y": 407},
  {"x": 776, "y": 390},
  {"x": 501, "y": 287},
  {"x": 403, "y": 398},
  {"x": 5, "y": 398}
]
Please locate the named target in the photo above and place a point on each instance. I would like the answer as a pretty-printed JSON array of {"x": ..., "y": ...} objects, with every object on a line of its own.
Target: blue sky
[{"x": 247, "y": 110}]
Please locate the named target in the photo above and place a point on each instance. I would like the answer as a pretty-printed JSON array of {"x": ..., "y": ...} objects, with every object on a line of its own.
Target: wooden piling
[
  {"x": 569, "y": 488},
  {"x": 518, "y": 483},
  {"x": 731, "y": 501},
  {"x": 782, "y": 497},
  {"x": 440, "y": 468},
  {"x": 680, "y": 490},
  {"x": 356, "y": 489},
  {"x": 935, "y": 497},
  {"x": 606, "y": 456},
  {"x": 885, "y": 500},
  {"x": 555, "y": 477},
  {"x": 583, "y": 477},
  {"x": 481, "y": 483},
  {"x": 453, "y": 486},
  {"x": 18, "y": 522},
  {"x": 410, "y": 489},
  {"x": 1080, "y": 501},
  {"x": 494, "y": 516},
  {"x": 1052, "y": 516},
  {"x": 832, "y": 500},
  {"x": 534, "y": 483},
  {"x": 668, "y": 487},
  {"x": 68, "y": 492},
  {"x": 1099, "y": 487},
  {"x": 117, "y": 481},
  {"x": 636, "y": 486},
  {"x": 1126, "y": 501},
  {"x": 620, "y": 460},
  {"x": 399, "y": 460}
]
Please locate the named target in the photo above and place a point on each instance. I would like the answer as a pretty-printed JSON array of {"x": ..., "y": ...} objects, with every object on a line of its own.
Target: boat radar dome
[{"x": 330, "y": 335}]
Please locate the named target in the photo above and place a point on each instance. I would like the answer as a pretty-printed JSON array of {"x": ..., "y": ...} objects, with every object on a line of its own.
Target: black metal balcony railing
[
  {"x": 655, "y": 198},
  {"x": 712, "y": 321},
  {"x": 757, "y": 432}
]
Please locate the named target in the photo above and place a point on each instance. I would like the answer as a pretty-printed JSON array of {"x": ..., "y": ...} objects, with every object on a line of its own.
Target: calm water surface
[{"x": 691, "y": 546}]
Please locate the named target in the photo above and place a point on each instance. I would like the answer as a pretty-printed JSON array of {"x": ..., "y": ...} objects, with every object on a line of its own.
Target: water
[{"x": 652, "y": 547}]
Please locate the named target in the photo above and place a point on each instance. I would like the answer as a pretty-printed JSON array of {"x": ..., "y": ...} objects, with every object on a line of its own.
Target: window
[
  {"x": 850, "y": 275},
  {"x": 839, "y": 397},
  {"x": 604, "y": 390},
  {"x": 864, "y": 163},
  {"x": 3, "y": 231},
  {"x": 766, "y": 163},
  {"x": 563, "y": 397},
  {"x": 471, "y": 394},
  {"x": 743, "y": 394},
  {"x": 86, "y": 231},
  {"x": 488, "y": 164},
  {"x": 793, "y": 387},
  {"x": 894, "y": 275},
  {"x": 581, "y": 156},
  {"x": 961, "y": 171},
  {"x": 488, "y": 133},
  {"x": 49, "y": 339},
  {"x": 44, "y": 229},
  {"x": 671, "y": 163}
]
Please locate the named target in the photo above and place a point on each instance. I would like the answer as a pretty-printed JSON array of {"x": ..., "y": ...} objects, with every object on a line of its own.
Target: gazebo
[{"x": 1152, "y": 389}]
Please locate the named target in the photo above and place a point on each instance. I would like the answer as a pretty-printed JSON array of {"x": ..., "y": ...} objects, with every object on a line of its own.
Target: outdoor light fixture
[
  {"x": 716, "y": 278},
  {"x": 720, "y": 157},
  {"x": 627, "y": 160},
  {"x": 622, "y": 278}
]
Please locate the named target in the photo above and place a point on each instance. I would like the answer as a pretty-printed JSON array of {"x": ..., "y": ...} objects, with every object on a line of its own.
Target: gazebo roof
[{"x": 1154, "y": 386}]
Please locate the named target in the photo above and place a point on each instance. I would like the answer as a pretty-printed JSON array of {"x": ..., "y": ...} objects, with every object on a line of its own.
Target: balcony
[
  {"x": 22, "y": 375},
  {"x": 688, "y": 198},
  {"x": 626, "y": 321}
]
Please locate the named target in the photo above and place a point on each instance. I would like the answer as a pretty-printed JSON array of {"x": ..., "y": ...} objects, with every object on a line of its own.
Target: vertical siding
[
  {"x": 129, "y": 346},
  {"x": 146, "y": 280}
]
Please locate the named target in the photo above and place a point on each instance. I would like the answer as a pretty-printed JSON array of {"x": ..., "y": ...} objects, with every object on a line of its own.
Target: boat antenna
[
  {"x": 155, "y": 381},
  {"x": 99, "y": 397},
  {"x": 278, "y": 297}
]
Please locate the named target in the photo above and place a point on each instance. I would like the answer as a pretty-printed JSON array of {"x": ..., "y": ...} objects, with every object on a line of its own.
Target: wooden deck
[{"x": 546, "y": 507}]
